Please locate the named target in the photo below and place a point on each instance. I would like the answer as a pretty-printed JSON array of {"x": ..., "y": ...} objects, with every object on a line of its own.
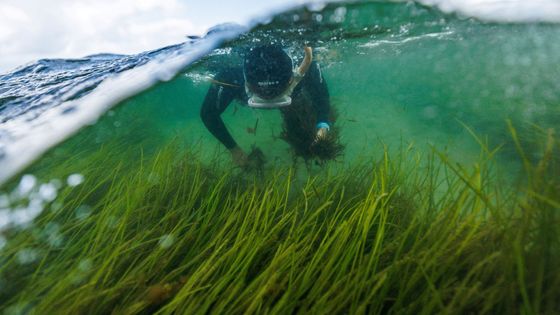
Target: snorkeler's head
[{"x": 268, "y": 70}]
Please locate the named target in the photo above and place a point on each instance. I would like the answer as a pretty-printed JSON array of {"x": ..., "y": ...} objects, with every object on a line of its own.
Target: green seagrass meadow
[{"x": 403, "y": 233}]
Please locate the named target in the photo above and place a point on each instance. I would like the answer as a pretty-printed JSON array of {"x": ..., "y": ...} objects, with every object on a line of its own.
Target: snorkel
[{"x": 284, "y": 99}]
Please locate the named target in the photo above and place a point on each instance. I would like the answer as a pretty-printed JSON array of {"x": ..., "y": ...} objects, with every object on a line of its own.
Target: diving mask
[{"x": 285, "y": 98}]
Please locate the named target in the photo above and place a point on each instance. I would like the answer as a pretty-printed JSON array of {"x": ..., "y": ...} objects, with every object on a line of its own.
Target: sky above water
[
  {"x": 35, "y": 29},
  {"x": 30, "y": 30}
]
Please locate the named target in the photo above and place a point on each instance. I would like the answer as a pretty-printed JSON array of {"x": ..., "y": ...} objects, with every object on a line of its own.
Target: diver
[{"x": 266, "y": 80}]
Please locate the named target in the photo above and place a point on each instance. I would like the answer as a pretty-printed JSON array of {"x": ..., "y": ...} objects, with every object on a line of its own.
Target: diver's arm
[
  {"x": 215, "y": 102},
  {"x": 319, "y": 92},
  {"x": 226, "y": 87}
]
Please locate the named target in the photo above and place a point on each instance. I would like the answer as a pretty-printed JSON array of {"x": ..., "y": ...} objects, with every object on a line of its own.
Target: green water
[{"x": 399, "y": 75}]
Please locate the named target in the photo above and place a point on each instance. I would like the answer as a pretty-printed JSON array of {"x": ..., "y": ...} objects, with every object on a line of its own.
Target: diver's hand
[
  {"x": 321, "y": 134},
  {"x": 238, "y": 156},
  {"x": 322, "y": 130}
]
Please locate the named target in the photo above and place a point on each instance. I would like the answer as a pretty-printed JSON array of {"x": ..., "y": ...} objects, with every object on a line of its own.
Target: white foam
[
  {"x": 75, "y": 180},
  {"x": 515, "y": 11},
  {"x": 440, "y": 35},
  {"x": 502, "y": 10},
  {"x": 29, "y": 139}
]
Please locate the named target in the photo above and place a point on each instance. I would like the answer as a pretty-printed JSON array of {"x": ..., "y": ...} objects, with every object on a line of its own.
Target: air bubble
[
  {"x": 48, "y": 192},
  {"x": 83, "y": 212},
  {"x": 26, "y": 185},
  {"x": 75, "y": 180},
  {"x": 339, "y": 15},
  {"x": 52, "y": 234},
  {"x": 24, "y": 215},
  {"x": 85, "y": 265},
  {"x": 166, "y": 241},
  {"x": 26, "y": 256}
]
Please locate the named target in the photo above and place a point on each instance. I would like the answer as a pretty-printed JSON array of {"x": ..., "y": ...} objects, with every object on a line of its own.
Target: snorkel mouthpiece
[{"x": 281, "y": 101}]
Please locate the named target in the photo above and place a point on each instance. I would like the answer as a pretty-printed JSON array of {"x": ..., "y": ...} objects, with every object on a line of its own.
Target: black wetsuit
[{"x": 231, "y": 86}]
